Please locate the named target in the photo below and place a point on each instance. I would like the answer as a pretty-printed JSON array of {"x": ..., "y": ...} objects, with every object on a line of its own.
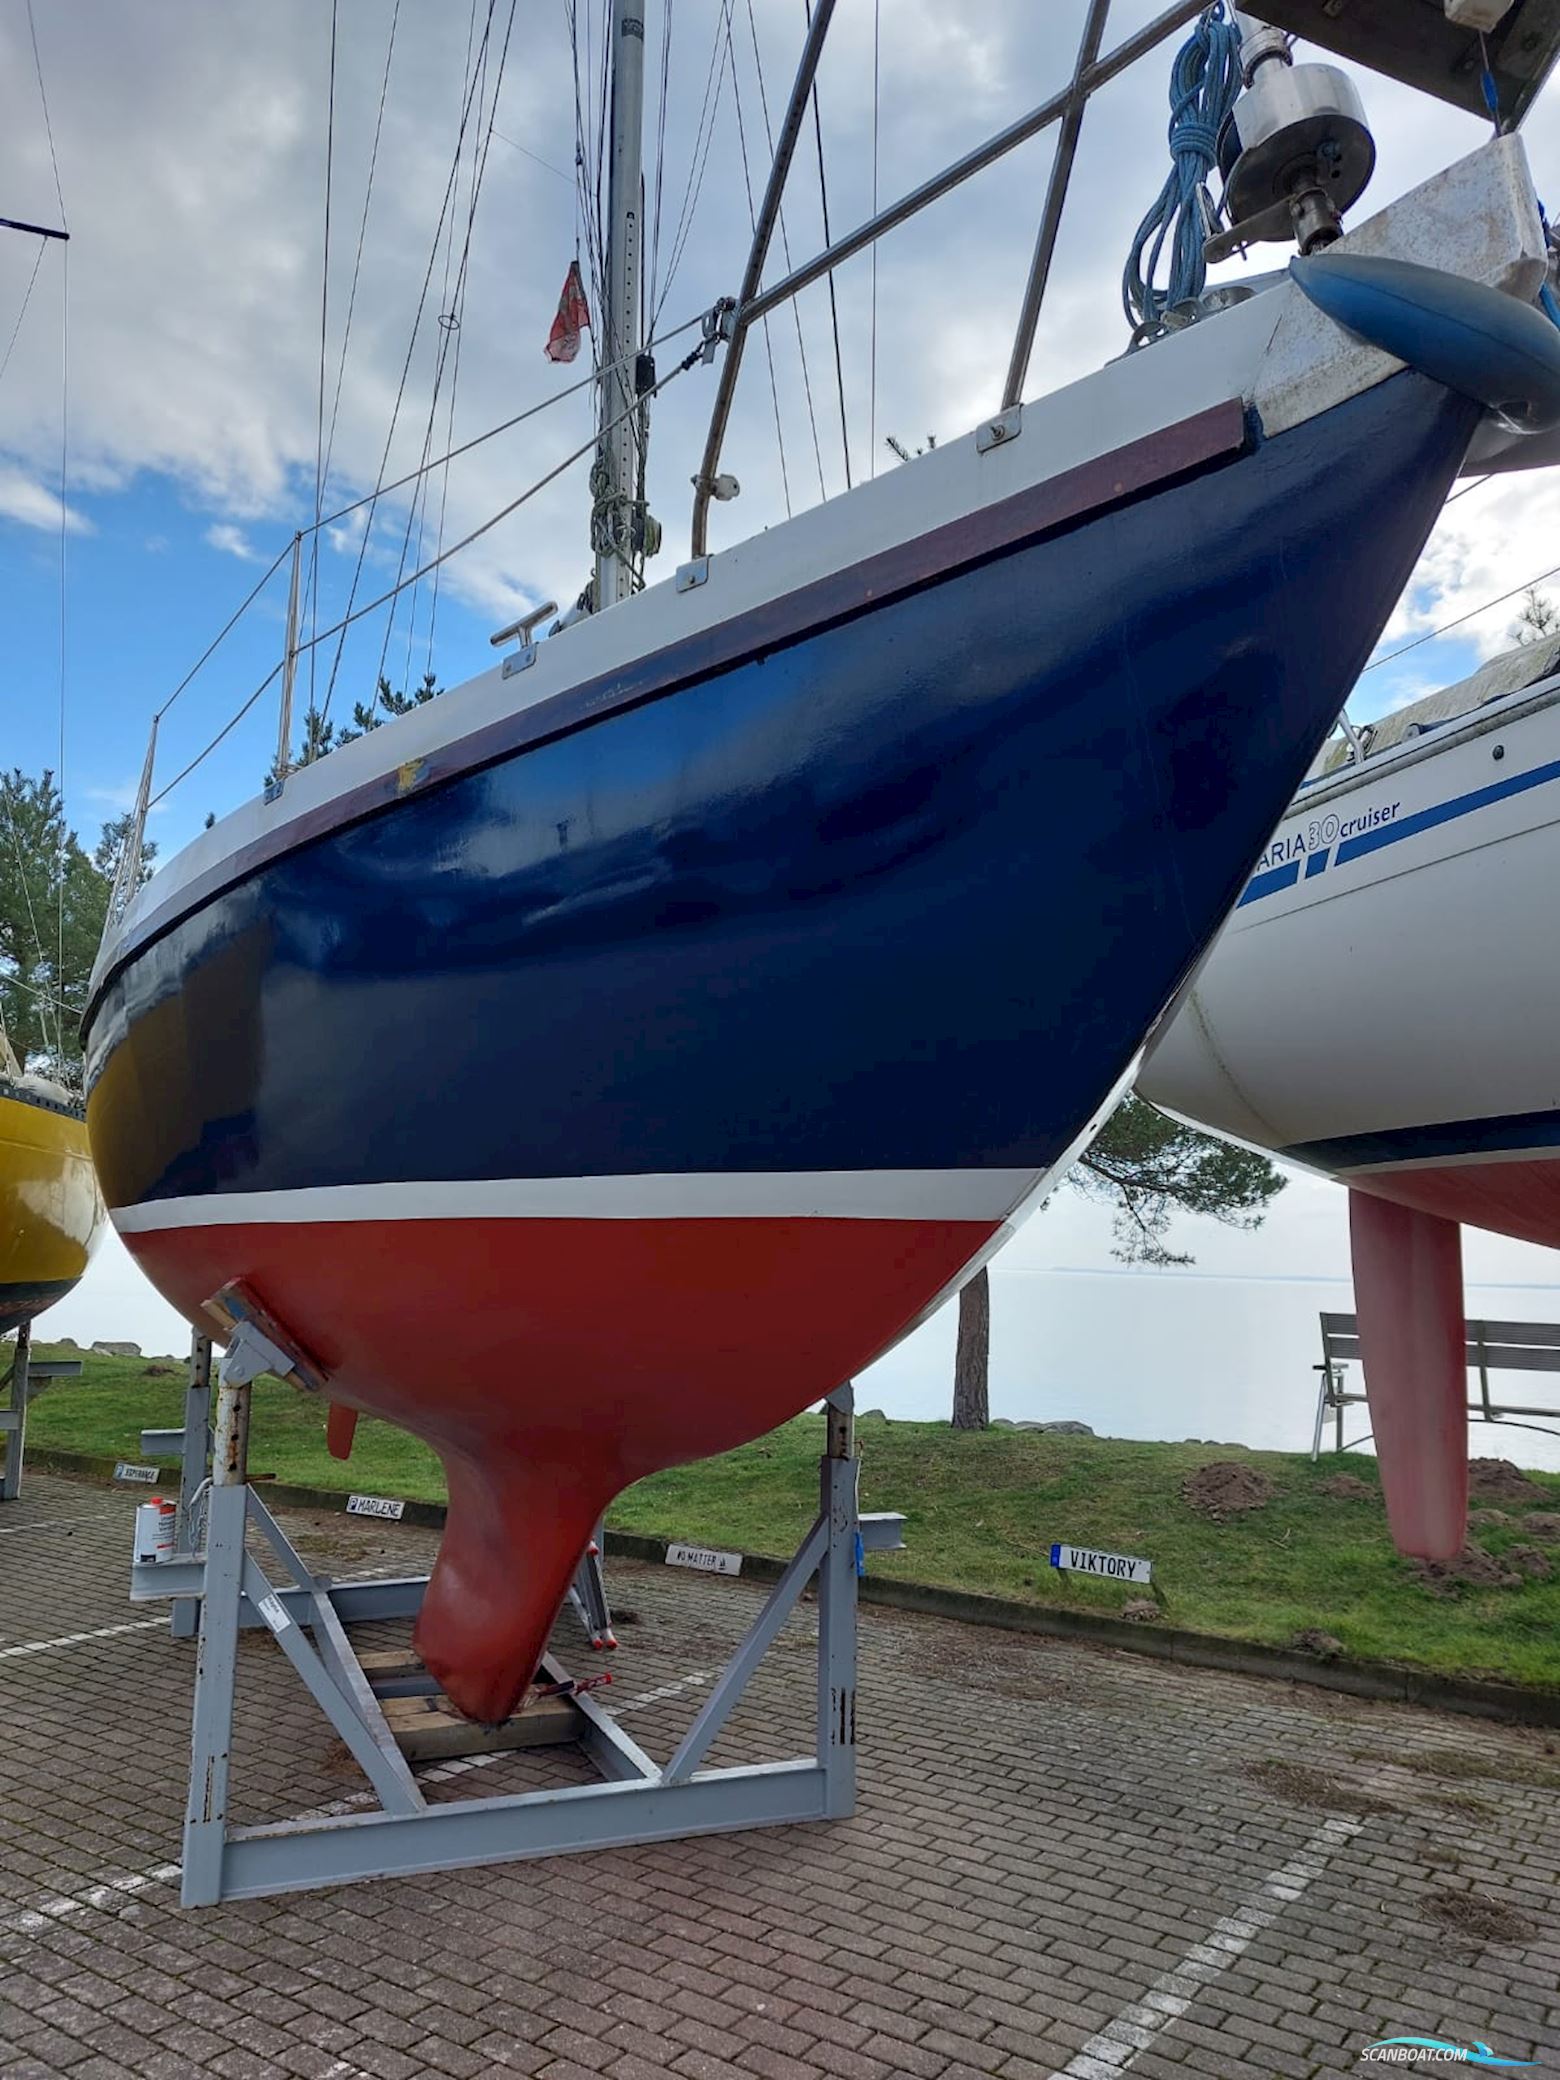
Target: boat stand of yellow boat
[{"x": 50, "y": 1216}]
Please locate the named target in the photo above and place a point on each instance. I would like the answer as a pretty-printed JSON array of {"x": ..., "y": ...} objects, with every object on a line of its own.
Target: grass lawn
[{"x": 982, "y": 1511}]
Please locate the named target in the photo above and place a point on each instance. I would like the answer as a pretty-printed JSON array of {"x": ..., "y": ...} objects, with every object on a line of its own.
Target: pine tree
[
  {"x": 1538, "y": 619},
  {"x": 53, "y": 900},
  {"x": 321, "y": 735},
  {"x": 1147, "y": 1168}
]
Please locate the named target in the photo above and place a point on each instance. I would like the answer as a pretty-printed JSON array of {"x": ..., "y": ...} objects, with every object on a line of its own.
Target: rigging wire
[
  {"x": 48, "y": 127},
  {"x": 515, "y": 504},
  {"x": 32, "y": 919},
  {"x": 785, "y": 246},
  {"x": 59, "y": 973},
  {"x": 26, "y": 299},
  {"x": 603, "y": 121},
  {"x": 747, "y": 181},
  {"x": 226, "y": 730},
  {"x": 450, "y": 319},
  {"x": 492, "y": 433},
  {"x": 877, "y": 22},
  {"x": 227, "y": 628},
  {"x": 584, "y": 226},
  {"x": 323, "y": 471},
  {"x": 357, "y": 614},
  {"x": 834, "y": 308},
  {"x": 660, "y": 152},
  {"x": 452, "y": 333},
  {"x": 59, "y": 193},
  {"x": 525, "y": 152},
  {"x": 319, "y": 409},
  {"x": 411, "y": 345},
  {"x": 357, "y": 258},
  {"x": 693, "y": 188},
  {"x": 332, "y": 519},
  {"x": 1446, "y": 627}
]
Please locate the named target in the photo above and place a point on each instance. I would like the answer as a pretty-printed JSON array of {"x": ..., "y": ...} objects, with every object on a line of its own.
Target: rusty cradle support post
[{"x": 193, "y": 1443}]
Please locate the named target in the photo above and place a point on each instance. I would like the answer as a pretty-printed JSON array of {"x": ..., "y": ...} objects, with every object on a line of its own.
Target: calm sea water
[{"x": 1165, "y": 1354}]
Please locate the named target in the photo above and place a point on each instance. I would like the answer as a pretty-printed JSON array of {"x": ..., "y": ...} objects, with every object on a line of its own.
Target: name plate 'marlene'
[
  {"x": 376, "y": 1506},
  {"x": 1114, "y": 1567}
]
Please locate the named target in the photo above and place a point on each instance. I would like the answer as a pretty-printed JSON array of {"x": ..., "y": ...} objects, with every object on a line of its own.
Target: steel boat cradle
[{"x": 816, "y": 902}]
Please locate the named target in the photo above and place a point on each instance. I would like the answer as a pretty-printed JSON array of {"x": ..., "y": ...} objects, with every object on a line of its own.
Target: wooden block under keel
[{"x": 429, "y": 1728}]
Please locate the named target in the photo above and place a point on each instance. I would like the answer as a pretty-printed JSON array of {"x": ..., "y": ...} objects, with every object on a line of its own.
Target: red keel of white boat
[{"x": 1408, "y": 1295}]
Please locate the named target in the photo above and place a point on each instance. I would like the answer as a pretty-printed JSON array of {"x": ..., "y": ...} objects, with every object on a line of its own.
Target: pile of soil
[
  {"x": 1544, "y": 1525},
  {"x": 1473, "y": 1568},
  {"x": 1531, "y": 1560},
  {"x": 1348, "y": 1487},
  {"x": 1300, "y": 1786},
  {"x": 1483, "y": 1519},
  {"x": 1322, "y": 1644},
  {"x": 1226, "y": 1487},
  {"x": 1476, "y": 1914},
  {"x": 1498, "y": 1480}
]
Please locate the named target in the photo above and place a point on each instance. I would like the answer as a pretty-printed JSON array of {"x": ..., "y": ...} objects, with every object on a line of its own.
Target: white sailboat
[{"x": 1383, "y": 1007}]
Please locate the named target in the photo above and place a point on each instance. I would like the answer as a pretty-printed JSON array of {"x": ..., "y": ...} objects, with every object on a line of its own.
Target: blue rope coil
[{"x": 1204, "y": 82}]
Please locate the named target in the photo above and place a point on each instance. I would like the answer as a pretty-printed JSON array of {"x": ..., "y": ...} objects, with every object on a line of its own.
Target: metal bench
[{"x": 1492, "y": 1347}]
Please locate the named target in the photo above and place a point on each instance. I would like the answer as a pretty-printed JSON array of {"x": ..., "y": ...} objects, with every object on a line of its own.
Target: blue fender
[{"x": 1474, "y": 339}]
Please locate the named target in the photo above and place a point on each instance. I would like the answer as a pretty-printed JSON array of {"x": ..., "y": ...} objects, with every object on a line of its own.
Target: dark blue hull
[{"x": 904, "y": 892}]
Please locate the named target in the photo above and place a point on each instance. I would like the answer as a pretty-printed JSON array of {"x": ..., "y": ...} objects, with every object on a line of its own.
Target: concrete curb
[{"x": 1383, "y": 1680}]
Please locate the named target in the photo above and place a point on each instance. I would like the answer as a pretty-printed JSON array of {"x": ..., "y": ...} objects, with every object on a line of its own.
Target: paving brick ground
[{"x": 1066, "y": 1861}]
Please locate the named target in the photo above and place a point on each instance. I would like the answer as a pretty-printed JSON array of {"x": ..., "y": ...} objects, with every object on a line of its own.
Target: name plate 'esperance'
[
  {"x": 1111, "y": 1567},
  {"x": 704, "y": 1559},
  {"x": 375, "y": 1506}
]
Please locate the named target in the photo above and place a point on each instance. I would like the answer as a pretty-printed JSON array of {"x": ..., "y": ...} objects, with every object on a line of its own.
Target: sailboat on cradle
[
  {"x": 1381, "y": 1008},
  {"x": 50, "y": 1212},
  {"x": 599, "y": 1064}
]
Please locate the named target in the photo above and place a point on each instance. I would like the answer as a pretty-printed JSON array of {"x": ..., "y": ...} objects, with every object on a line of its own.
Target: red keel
[
  {"x": 1408, "y": 1295},
  {"x": 552, "y": 1362}
]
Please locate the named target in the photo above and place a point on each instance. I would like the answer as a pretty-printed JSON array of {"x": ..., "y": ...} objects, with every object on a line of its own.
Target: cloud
[
  {"x": 32, "y": 504},
  {"x": 232, "y": 542},
  {"x": 193, "y": 161}
]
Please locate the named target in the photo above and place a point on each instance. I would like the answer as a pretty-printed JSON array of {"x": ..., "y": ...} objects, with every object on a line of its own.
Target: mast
[{"x": 617, "y": 523}]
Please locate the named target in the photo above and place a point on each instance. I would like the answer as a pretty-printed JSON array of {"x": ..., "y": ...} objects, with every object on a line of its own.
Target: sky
[{"x": 163, "y": 418}]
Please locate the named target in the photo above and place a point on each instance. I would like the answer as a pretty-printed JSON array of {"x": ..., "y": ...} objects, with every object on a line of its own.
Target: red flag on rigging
[{"x": 563, "y": 342}]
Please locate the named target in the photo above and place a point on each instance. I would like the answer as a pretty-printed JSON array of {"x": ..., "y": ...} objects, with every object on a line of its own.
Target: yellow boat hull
[{"x": 50, "y": 1207}]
